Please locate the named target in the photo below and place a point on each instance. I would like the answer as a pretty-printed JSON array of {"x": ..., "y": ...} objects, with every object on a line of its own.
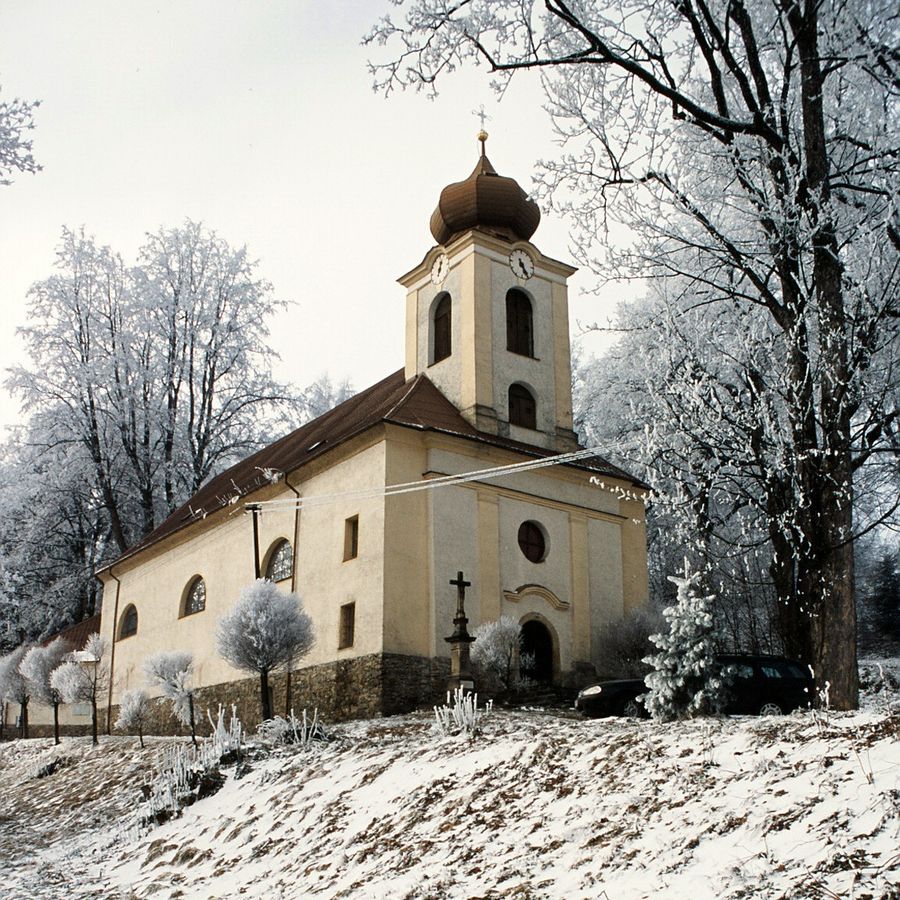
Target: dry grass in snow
[{"x": 804, "y": 806}]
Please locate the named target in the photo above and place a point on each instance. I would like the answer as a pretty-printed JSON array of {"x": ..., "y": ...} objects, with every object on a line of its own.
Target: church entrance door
[{"x": 538, "y": 643}]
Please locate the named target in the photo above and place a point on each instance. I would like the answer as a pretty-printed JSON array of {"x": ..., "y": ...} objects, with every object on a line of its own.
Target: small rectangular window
[
  {"x": 348, "y": 624},
  {"x": 351, "y": 538}
]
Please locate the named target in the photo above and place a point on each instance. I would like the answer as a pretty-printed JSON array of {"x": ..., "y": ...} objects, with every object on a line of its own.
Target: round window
[{"x": 532, "y": 541}]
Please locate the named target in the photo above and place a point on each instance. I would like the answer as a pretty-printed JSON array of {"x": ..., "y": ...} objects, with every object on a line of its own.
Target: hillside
[{"x": 540, "y": 806}]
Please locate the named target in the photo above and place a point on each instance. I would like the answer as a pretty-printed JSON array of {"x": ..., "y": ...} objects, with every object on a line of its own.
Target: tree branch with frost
[
  {"x": 171, "y": 672},
  {"x": 16, "y": 121}
]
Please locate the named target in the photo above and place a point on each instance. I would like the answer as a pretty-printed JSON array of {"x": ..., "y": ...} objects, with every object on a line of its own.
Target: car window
[
  {"x": 791, "y": 670},
  {"x": 770, "y": 671},
  {"x": 742, "y": 671}
]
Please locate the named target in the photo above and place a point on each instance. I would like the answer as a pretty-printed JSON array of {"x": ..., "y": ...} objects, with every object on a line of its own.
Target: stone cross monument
[{"x": 460, "y": 667}]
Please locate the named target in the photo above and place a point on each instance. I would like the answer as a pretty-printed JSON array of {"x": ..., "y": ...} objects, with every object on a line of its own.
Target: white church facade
[{"x": 486, "y": 384}]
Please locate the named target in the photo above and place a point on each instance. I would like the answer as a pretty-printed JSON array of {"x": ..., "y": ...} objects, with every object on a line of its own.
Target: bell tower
[{"x": 487, "y": 314}]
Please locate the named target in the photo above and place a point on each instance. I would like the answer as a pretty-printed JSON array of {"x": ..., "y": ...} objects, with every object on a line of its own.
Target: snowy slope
[{"x": 540, "y": 806}]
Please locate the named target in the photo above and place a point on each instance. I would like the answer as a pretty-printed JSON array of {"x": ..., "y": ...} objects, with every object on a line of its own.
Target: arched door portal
[{"x": 537, "y": 645}]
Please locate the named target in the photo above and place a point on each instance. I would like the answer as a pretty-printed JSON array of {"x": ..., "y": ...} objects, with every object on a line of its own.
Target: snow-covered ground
[{"x": 804, "y": 806}]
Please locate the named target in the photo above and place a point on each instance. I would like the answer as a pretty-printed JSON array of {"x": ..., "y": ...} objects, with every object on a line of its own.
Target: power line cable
[{"x": 433, "y": 483}]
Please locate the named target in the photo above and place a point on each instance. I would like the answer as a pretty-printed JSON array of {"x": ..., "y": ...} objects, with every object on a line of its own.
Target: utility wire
[{"x": 426, "y": 484}]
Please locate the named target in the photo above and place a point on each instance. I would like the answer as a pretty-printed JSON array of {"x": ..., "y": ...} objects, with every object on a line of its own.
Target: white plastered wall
[
  {"x": 221, "y": 551},
  {"x": 585, "y": 567}
]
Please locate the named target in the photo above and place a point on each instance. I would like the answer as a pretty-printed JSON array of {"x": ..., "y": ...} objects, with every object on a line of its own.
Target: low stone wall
[
  {"x": 357, "y": 688},
  {"x": 46, "y": 731}
]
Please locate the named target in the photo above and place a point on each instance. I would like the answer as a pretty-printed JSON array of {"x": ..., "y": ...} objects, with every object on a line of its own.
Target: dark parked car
[{"x": 757, "y": 685}]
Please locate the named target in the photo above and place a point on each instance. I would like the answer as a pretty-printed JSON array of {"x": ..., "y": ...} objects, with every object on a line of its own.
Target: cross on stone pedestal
[{"x": 460, "y": 666}]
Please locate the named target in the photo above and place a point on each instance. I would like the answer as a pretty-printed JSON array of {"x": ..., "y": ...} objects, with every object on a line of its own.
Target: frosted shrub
[
  {"x": 224, "y": 739},
  {"x": 134, "y": 710},
  {"x": 186, "y": 774},
  {"x": 461, "y": 715},
  {"x": 303, "y": 731},
  {"x": 496, "y": 650},
  {"x": 685, "y": 681},
  {"x": 171, "y": 672}
]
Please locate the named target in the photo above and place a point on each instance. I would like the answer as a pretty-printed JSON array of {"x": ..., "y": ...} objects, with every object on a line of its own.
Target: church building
[{"x": 486, "y": 383}]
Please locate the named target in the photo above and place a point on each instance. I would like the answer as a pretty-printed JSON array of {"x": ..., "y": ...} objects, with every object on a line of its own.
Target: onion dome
[{"x": 485, "y": 200}]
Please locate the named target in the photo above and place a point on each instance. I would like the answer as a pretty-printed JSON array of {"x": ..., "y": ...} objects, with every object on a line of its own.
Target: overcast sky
[{"x": 258, "y": 119}]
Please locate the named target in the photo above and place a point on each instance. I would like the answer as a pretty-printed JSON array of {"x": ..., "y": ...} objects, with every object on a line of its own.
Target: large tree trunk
[
  {"x": 829, "y": 580},
  {"x": 55, "y": 723}
]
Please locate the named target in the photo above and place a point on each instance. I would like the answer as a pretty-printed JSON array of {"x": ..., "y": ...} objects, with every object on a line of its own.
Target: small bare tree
[
  {"x": 267, "y": 630},
  {"x": 171, "y": 672},
  {"x": 134, "y": 711},
  {"x": 37, "y": 666},
  {"x": 83, "y": 678},
  {"x": 496, "y": 649},
  {"x": 14, "y": 687}
]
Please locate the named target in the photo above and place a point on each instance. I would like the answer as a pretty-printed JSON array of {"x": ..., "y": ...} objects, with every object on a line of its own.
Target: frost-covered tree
[
  {"x": 14, "y": 687},
  {"x": 676, "y": 404},
  {"x": 134, "y": 712},
  {"x": 878, "y": 580},
  {"x": 159, "y": 372},
  {"x": 322, "y": 395},
  {"x": 37, "y": 665},
  {"x": 16, "y": 120},
  {"x": 83, "y": 678},
  {"x": 53, "y": 535},
  {"x": 172, "y": 672},
  {"x": 265, "y": 631},
  {"x": 496, "y": 649},
  {"x": 751, "y": 149},
  {"x": 685, "y": 681}
]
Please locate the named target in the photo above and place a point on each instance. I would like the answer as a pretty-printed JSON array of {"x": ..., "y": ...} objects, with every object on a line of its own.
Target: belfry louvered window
[
  {"x": 442, "y": 322},
  {"x": 519, "y": 327}
]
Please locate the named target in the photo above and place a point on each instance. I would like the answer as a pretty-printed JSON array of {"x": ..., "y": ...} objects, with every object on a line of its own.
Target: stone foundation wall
[
  {"x": 358, "y": 688},
  {"x": 46, "y": 731}
]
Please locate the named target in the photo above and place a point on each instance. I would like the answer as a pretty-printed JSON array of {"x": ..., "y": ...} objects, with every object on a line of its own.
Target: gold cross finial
[{"x": 482, "y": 134}]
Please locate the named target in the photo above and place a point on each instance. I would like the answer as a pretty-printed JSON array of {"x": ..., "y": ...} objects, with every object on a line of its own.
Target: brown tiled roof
[
  {"x": 416, "y": 403},
  {"x": 77, "y": 634}
]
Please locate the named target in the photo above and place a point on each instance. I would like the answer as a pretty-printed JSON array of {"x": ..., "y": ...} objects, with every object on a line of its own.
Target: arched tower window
[
  {"x": 519, "y": 329},
  {"x": 441, "y": 329},
  {"x": 194, "y": 597},
  {"x": 522, "y": 408},
  {"x": 129, "y": 622},
  {"x": 281, "y": 561}
]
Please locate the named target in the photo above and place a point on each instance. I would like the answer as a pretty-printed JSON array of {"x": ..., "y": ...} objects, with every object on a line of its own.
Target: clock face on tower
[
  {"x": 521, "y": 263},
  {"x": 439, "y": 269}
]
